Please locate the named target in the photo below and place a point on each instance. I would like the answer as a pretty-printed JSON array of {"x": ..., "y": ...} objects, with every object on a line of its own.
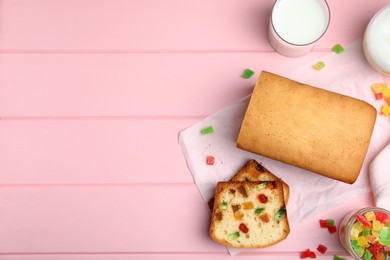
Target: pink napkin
[
  {"x": 380, "y": 178},
  {"x": 346, "y": 73}
]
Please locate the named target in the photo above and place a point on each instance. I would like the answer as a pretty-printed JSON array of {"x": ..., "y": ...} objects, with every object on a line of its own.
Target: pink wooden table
[{"x": 93, "y": 95}]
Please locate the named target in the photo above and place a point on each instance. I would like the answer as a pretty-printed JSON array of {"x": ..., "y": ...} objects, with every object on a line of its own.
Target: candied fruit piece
[
  {"x": 210, "y": 160},
  {"x": 332, "y": 229},
  {"x": 378, "y": 96},
  {"x": 243, "y": 228},
  {"x": 354, "y": 234},
  {"x": 279, "y": 215},
  {"x": 308, "y": 254},
  {"x": 386, "y": 95},
  {"x": 247, "y": 205},
  {"x": 337, "y": 49},
  {"x": 234, "y": 235},
  {"x": 378, "y": 87},
  {"x": 323, "y": 223},
  {"x": 258, "y": 211},
  {"x": 330, "y": 222},
  {"x": 381, "y": 217},
  {"x": 247, "y": 73},
  {"x": 207, "y": 130},
  {"x": 319, "y": 65},
  {"x": 322, "y": 249},
  {"x": 376, "y": 225},
  {"x": 375, "y": 249},
  {"x": 223, "y": 205},
  {"x": 368, "y": 255},
  {"x": 370, "y": 216},
  {"x": 385, "y": 110},
  {"x": 362, "y": 219},
  {"x": 362, "y": 242}
]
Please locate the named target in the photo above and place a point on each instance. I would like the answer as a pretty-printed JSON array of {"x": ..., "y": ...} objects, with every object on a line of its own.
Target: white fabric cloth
[
  {"x": 347, "y": 73},
  {"x": 380, "y": 178}
]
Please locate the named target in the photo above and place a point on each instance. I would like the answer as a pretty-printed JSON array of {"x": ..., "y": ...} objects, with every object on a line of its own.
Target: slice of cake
[
  {"x": 254, "y": 171},
  {"x": 249, "y": 214}
]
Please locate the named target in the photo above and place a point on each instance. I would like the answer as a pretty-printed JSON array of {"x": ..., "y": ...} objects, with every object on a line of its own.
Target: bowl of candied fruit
[{"x": 365, "y": 233}]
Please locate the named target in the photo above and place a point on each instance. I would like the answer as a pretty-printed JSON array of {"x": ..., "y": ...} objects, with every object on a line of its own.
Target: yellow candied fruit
[
  {"x": 385, "y": 110},
  {"x": 378, "y": 87},
  {"x": 247, "y": 205},
  {"x": 354, "y": 233},
  {"x": 362, "y": 241},
  {"x": 357, "y": 225},
  {"x": 370, "y": 216},
  {"x": 386, "y": 95},
  {"x": 376, "y": 226},
  {"x": 375, "y": 233}
]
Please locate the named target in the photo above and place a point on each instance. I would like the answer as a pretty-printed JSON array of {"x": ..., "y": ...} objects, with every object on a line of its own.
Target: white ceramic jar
[{"x": 376, "y": 42}]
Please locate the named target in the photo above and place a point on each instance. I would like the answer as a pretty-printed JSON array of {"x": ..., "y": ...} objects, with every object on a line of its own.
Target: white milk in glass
[
  {"x": 298, "y": 23},
  {"x": 377, "y": 41}
]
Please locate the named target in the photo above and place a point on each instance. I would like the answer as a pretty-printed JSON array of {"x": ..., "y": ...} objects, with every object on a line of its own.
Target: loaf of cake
[
  {"x": 308, "y": 127},
  {"x": 254, "y": 171},
  {"x": 249, "y": 214}
]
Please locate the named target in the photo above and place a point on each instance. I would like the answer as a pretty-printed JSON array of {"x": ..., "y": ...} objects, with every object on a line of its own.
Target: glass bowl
[{"x": 346, "y": 226}]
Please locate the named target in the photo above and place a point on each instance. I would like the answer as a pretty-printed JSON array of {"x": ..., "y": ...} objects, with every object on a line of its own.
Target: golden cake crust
[
  {"x": 308, "y": 127},
  {"x": 254, "y": 171}
]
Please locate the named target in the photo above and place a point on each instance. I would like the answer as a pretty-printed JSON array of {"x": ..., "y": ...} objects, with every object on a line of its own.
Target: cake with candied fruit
[{"x": 249, "y": 214}]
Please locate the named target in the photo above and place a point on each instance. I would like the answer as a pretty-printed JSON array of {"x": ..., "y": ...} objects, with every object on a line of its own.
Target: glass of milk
[
  {"x": 296, "y": 25},
  {"x": 376, "y": 42}
]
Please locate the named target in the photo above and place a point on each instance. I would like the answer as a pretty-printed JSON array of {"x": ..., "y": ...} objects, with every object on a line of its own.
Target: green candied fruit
[
  {"x": 258, "y": 211},
  {"x": 366, "y": 232},
  {"x": 262, "y": 185},
  {"x": 338, "y": 258},
  {"x": 207, "y": 130},
  {"x": 247, "y": 74},
  {"x": 234, "y": 235},
  {"x": 368, "y": 255},
  {"x": 223, "y": 205},
  {"x": 359, "y": 251},
  {"x": 338, "y": 48},
  {"x": 279, "y": 215},
  {"x": 330, "y": 222},
  {"x": 384, "y": 237},
  {"x": 319, "y": 65}
]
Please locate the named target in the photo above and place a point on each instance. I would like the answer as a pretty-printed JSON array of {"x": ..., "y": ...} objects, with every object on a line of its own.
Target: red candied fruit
[
  {"x": 262, "y": 198},
  {"x": 363, "y": 220},
  {"x": 210, "y": 160},
  {"x": 323, "y": 223},
  {"x": 308, "y": 254},
  {"x": 332, "y": 229},
  {"x": 322, "y": 249},
  {"x": 376, "y": 248},
  {"x": 243, "y": 228},
  {"x": 381, "y": 217}
]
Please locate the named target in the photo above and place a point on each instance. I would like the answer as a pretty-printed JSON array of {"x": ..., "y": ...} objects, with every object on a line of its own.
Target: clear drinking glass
[{"x": 296, "y": 25}]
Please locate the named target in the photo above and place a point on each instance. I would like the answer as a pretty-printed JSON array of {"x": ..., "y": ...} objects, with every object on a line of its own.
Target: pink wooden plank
[
  {"x": 173, "y": 84},
  {"x": 143, "y": 219},
  {"x": 117, "y": 150},
  {"x": 139, "y": 25},
  {"x": 118, "y": 218},
  {"x": 172, "y": 256}
]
